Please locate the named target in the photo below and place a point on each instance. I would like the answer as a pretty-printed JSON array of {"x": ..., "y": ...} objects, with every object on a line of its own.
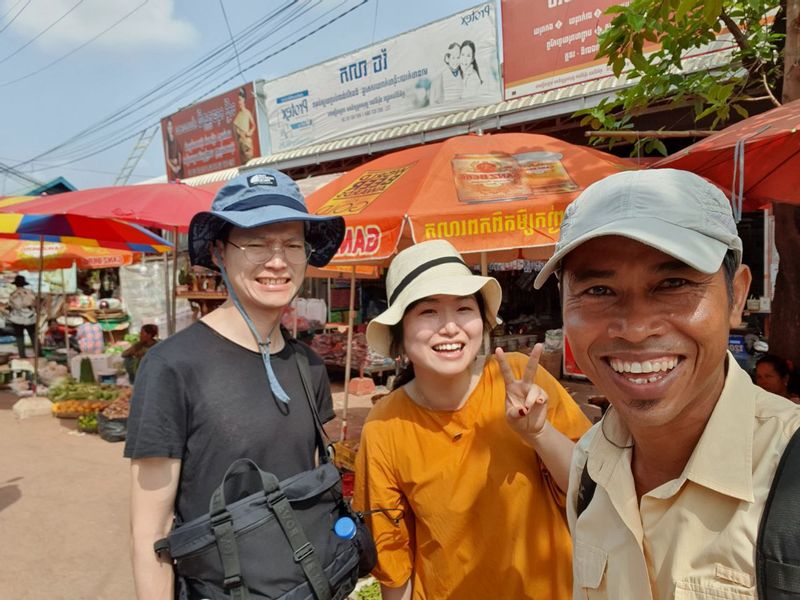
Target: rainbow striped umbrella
[{"x": 82, "y": 231}]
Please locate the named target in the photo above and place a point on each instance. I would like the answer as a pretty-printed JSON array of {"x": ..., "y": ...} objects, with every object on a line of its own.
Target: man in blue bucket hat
[{"x": 228, "y": 386}]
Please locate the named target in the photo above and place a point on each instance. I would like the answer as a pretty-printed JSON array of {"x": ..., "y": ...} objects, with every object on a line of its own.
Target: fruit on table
[
  {"x": 73, "y": 390},
  {"x": 80, "y": 407}
]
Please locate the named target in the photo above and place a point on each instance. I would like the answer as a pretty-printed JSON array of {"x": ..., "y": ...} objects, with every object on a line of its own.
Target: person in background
[
  {"x": 651, "y": 276},
  {"x": 173, "y": 153},
  {"x": 90, "y": 338},
  {"x": 774, "y": 375},
  {"x": 462, "y": 469},
  {"x": 244, "y": 127},
  {"x": 448, "y": 85},
  {"x": 470, "y": 74},
  {"x": 21, "y": 313},
  {"x": 228, "y": 386},
  {"x": 148, "y": 337}
]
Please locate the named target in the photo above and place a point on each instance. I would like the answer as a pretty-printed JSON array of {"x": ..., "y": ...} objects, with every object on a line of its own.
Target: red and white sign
[
  {"x": 549, "y": 44},
  {"x": 218, "y": 133}
]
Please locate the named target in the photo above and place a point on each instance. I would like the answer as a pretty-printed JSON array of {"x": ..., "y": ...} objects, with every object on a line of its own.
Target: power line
[
  {"x": 233, "y": 42},
  {"x": 41, "y": 33},
  {"x": 14, "y": 18},
  {"x": 158, "y": 91},
  {"x": 159, "y": 111},
  {"x": 178, "y": 85},
  {"x": 74, "y": 50}
]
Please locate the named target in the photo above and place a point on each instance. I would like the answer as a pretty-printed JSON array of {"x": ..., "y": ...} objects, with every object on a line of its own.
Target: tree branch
[
  {"x": 769, "y": 91},
  {"x": 737, "y": 34}
]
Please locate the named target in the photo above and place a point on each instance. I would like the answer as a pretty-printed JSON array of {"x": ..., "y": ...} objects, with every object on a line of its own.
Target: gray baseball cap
[{"x": 676, "y": 212}]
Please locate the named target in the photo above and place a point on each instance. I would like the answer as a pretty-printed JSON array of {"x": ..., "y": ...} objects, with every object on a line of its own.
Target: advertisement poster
[
  {"x": 563, "y": 38},
  {"x": 447, "y": 66},
  {"x": 214, "y": 134}
]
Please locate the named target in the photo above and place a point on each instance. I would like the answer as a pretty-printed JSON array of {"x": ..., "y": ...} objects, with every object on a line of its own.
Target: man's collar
[{"x": 722, "y": 458}]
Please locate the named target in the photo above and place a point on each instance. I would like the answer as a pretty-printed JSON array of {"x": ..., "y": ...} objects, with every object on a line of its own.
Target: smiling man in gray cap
[
  {"x": 228, "y": 386},
  {"x": 649, "y": 264}
]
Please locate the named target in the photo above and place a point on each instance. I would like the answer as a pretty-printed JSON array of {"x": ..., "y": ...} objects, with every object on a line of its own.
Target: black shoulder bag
[{"x": 279, "y": 541}]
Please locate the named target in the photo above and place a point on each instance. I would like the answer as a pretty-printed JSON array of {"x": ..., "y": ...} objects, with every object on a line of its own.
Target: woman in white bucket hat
[{"x": 459, "y": 504}]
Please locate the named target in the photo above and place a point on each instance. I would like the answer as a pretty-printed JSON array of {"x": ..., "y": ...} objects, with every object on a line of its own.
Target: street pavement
[{"x": 64, "y": 505}]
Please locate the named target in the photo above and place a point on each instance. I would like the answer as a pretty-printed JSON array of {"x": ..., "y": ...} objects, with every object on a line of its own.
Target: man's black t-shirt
[{"x": 201, "y": 398}]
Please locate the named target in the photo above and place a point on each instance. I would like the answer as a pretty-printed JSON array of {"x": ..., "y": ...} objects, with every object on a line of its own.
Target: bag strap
[
  {"x": 585, "y": 490},
  {"x": 778, "y": 542},
  {"x": 304, "y": 553},
  {"x": 304, "y": 368}
]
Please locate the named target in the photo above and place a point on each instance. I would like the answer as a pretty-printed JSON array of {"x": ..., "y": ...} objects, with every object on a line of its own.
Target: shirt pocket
[
  {"x": 722, "y": 587},
  {"x": 590, "y": 569}
]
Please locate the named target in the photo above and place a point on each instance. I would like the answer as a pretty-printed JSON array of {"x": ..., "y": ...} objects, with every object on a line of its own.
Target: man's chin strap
[{"x": 263, "y": 347}]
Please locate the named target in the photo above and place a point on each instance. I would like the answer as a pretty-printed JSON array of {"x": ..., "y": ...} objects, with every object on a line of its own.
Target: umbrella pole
[
  {"x": 348, "y": 352},
  {"x": 66, "y": 327},
  {"x": 174, "y": 281},
  {"x": 329, "y": 300},
  {"x": 485, "y": 273},
  {"x": 35, "y": 339},
  {"x": 167, "y": 299}
]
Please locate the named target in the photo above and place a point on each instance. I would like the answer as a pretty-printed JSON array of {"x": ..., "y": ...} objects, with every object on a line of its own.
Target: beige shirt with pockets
[{"x": 693, "y": 537}]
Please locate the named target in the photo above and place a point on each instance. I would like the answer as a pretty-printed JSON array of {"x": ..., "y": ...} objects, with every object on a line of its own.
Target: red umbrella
[
  {"x": 758, "y": 159},
  {"x": 164, "y": 205}
]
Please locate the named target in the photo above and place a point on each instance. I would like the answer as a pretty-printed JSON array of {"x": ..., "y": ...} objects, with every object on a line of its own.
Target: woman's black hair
[
  {"x": 151, "y": 329},
  {"x": 780, "y": 365},
  {"x": 406, "y": 373},
  {"x": 471, "y": 44}
]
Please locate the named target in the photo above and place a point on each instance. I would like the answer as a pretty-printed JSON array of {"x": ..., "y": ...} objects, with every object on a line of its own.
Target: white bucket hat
[
  {"x": 676, "y": 212},
  {"x": 428, "y": 269}
]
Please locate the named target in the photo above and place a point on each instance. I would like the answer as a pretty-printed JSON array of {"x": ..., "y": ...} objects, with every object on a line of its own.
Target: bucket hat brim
[{"x": 323, "y": 233}]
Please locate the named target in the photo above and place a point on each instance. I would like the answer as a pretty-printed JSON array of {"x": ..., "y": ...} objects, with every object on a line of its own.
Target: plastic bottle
[{"x": 345, "y": 528}]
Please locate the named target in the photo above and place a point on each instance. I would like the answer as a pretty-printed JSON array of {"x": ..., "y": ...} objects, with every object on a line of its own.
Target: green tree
[{"x": 647, "y": 42}]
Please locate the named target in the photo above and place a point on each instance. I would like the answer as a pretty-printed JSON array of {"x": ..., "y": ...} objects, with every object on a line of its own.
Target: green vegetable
[{"x": 369, "y": 592}]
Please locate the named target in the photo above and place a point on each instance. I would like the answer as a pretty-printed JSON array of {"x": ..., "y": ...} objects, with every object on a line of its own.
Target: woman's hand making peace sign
[{"x": 526, "y": 402}]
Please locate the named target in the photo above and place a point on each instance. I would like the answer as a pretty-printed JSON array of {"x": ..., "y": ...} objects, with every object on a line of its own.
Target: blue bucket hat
[{"x": 261, "y": 197}]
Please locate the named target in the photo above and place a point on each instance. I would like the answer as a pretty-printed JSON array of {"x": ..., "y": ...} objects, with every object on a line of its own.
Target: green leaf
[{"x": 741, "y": 110}]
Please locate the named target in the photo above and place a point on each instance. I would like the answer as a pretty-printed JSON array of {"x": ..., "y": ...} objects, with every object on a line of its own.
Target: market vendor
[{"x": 148, "y": 337}]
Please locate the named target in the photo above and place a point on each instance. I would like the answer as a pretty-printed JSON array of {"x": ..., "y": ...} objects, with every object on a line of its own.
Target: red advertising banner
[
  {"x": 549, "y": 44},
  {"x": 214, "y": 134}
]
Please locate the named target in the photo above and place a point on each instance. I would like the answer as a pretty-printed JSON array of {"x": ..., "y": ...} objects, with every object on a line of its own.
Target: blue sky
[{"x": 153, "y": 41}]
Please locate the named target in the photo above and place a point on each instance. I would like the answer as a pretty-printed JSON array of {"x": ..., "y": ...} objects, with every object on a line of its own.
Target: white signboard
[{"x": 444, "y": 67}]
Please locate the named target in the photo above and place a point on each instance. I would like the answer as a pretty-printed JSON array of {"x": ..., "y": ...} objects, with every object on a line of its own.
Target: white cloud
[{"x": 152, "y": 26}]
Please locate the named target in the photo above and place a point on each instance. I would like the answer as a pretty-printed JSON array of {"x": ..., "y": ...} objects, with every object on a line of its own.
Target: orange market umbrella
[
  {"x": 758, "y": 159},
  {"x": 503, "y": 193},
  {"x": 24, "y": 255}
]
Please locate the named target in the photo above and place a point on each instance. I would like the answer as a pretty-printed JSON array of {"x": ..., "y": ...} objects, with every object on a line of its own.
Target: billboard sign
[
  {"x": 214, "y": 134},
  {"x": 443, "y": 67},
  {"x": 561, "y": 35}
]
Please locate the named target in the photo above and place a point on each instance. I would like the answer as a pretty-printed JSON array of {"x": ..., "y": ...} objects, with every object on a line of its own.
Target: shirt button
[{"x": 457, "y": 437}]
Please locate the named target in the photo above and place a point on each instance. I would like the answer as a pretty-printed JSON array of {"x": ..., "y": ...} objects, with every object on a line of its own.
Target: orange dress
[{"x": 479, "y": 516}]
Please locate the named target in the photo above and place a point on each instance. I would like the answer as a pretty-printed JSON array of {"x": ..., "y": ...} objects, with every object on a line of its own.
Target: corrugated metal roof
[{"x": 534, "y": 107}]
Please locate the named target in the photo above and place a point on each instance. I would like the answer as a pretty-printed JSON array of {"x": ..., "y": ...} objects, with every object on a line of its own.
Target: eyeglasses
[{"x": 293, "y": 252}]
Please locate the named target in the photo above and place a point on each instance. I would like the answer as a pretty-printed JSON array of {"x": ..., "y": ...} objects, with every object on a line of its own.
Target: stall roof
[{"x": 506, "y": 113}]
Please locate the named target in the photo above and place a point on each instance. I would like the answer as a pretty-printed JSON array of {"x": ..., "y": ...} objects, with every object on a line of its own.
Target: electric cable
[
  {"x": 41, "y": 33},
  {"x": 173, "y": 87},
  {"x": 74, "y": 50},
  {"x": 233, "y": 42},
  {"x": 14, "y": 18}
]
